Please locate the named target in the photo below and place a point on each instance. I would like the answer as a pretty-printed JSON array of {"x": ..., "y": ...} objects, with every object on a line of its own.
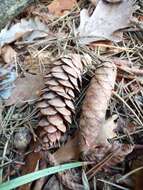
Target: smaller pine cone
[{"x": 56, "y": 104}]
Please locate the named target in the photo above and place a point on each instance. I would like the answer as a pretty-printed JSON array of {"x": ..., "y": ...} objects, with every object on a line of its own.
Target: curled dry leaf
[
  {"x": 7, "y": 77},
  {"x": 8, "y": 54},
  {"x": 138, "y": 175},
  {"x": 26, "y": 89},
  {"x": 53, "y": 183},
  {"x": 60, "y": 7},
  {"x": 105, "y": 21},
  {"x": 109, "y": 158},
  {"x": 26, "y": 29},
  {"x": 71, "y": 149}
]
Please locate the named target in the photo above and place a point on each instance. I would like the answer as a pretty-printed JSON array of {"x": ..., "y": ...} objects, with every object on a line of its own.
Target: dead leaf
[
  {"x": 7, "y": 77},
  {"x": 8, "y": 54},
  {"x": 31, "y": 162},
  {"x": 138, "y": 175},
  {"x": 26, "y": 29},
  {"x": 107, "y": 131},
  {"x": 60, "y": 7},
  {"x": 26, "y": 89},
  {"x": 53, "y": 183},
  {"x": 104, "y": 22},
  {"x": 40, "y": 182},
  {"x": 112, "y": 157},
  {"x": 70, "y": 151}
]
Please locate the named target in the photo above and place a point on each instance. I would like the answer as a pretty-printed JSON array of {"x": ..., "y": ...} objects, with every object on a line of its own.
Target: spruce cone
[{"x": 57, "y": 98}]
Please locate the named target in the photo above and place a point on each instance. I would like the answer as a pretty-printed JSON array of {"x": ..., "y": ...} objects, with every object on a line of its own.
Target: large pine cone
[{"x": 57, "y": 98}]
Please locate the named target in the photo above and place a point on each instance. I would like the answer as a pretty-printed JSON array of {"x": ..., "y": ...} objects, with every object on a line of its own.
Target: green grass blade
[{"x": 38, "y": 174}]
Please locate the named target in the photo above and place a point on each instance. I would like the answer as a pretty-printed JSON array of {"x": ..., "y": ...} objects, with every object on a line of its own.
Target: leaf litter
[
  {"x": 26, "y": 29},
  {"x": 103, "y": 25},
  {"x": 106, "y": 127}
]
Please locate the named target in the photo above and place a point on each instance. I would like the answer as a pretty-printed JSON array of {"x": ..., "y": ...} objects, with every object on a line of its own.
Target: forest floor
[{"x": 46, "y": 36}]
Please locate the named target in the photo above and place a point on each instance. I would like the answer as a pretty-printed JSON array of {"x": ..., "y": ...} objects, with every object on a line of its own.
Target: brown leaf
[
  {"x": 107, "y": 131},
  {"x": 26, "y": 89},
  {"x": 70, "y": 151},
  {"x": 59, "y": 7},
  {"x": 8, "y": 54},
  {"x": 28, "y": 29},
  {"x": 106, "y": 19},
  {"x": 115, "y": 155},
  {"x": 53, "y": 183},
  {"x": 137, "y": 177},
  {"x": 31, "y": 161},
  {"x": 40, "y": 182}
]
